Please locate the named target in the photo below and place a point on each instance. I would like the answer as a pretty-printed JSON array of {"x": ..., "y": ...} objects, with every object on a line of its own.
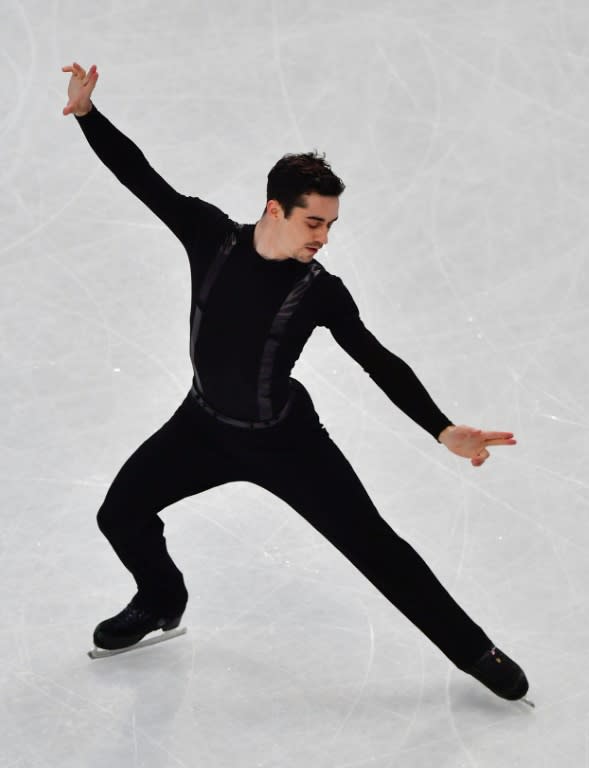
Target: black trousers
[{"x": 297, "y": 461}]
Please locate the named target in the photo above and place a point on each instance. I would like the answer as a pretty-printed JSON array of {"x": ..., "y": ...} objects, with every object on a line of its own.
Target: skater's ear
[{"x": 274, "y": 210}]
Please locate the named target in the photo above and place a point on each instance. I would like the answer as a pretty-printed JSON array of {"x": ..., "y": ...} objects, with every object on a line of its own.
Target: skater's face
[{"x": 306, "y": 230}]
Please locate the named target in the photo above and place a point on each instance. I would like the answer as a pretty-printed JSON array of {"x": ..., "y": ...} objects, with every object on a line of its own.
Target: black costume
[{"x": 245, "y": 419}]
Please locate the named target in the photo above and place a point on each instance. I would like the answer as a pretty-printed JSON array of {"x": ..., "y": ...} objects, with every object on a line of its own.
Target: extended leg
[{"x": 316, "y": 479}]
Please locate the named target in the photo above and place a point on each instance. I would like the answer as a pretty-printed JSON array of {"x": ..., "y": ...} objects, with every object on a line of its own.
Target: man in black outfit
[{"x": 257, "y": 295}]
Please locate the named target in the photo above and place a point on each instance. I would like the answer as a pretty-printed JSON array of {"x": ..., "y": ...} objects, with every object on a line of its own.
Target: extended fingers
[
  {"x": 498, "y": 438},
  {"x": 75, "y": 69},
  {"x": 80, "y": 72}
]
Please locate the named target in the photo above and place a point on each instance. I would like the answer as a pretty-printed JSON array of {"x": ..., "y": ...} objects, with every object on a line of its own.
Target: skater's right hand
[{"x": 80, "y": 88}]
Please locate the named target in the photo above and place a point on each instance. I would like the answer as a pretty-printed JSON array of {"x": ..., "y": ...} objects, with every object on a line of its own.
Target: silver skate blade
[
  {"x": 529, "y": 703},
  {"x": 102, "y": 653}
]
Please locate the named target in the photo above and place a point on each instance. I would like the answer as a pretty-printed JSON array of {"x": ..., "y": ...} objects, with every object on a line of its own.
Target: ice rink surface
[{"x": 460, "y": 128}]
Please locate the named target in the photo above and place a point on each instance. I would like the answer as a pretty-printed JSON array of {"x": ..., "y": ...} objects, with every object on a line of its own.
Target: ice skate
[
  {"x": 500, "y": 674},
  {"x": 125, "y": 631}
]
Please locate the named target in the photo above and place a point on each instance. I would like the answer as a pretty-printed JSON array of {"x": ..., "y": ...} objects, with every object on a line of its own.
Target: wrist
[
  {"x": 446, "y": 431},
  {"x": 82, "y": 113}
]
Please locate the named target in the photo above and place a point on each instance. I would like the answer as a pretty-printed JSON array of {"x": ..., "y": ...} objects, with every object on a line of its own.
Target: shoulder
[
  {"x": 334, "y": 300},
  {"x": 208, "y": 214},
  {"x": 208, "y": 223},
  {"x": 330, "y": 284}
]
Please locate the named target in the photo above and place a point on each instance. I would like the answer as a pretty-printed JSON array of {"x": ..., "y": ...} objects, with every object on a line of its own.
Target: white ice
[{"x": 461, "y": 130}]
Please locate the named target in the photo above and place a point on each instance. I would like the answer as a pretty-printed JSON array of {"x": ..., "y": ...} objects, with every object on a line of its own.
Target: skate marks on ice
[{"x": 102, "y": 653}]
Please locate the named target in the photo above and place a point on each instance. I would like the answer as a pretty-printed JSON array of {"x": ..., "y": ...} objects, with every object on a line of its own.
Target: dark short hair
[{"x": 296, "y": 175}]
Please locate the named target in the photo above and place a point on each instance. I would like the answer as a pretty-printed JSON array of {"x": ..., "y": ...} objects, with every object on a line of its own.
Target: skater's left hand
[{"x": 472, "y": 443}]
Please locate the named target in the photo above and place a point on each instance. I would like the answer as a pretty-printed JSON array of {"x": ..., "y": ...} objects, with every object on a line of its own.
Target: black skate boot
[
  {"x": 131, "y": 625},
  {"x": 500, "y": 674}
]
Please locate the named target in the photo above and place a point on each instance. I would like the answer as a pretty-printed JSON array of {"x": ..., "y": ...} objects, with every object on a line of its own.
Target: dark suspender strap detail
[
  {"x": 201, "y": 300},
  {"x": 217, "y": 264},
  {"x": 279, "y": 324}
]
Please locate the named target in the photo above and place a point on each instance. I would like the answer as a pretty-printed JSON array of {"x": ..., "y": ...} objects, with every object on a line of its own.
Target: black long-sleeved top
[{"x": 250, "y": 317}]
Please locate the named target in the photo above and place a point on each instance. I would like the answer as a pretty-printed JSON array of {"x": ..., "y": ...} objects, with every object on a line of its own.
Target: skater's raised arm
[{"x": 124, "y": 158}]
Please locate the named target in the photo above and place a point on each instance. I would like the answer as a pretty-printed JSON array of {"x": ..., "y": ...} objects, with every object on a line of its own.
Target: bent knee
[
  {"x": 113, "y": 518},
  {"x": 106, "y": 517}
]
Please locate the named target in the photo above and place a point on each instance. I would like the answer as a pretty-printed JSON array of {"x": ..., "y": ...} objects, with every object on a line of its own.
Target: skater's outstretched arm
[
  {"x": 399, "y": 382},
  {"x": 125, "y": 159}
]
